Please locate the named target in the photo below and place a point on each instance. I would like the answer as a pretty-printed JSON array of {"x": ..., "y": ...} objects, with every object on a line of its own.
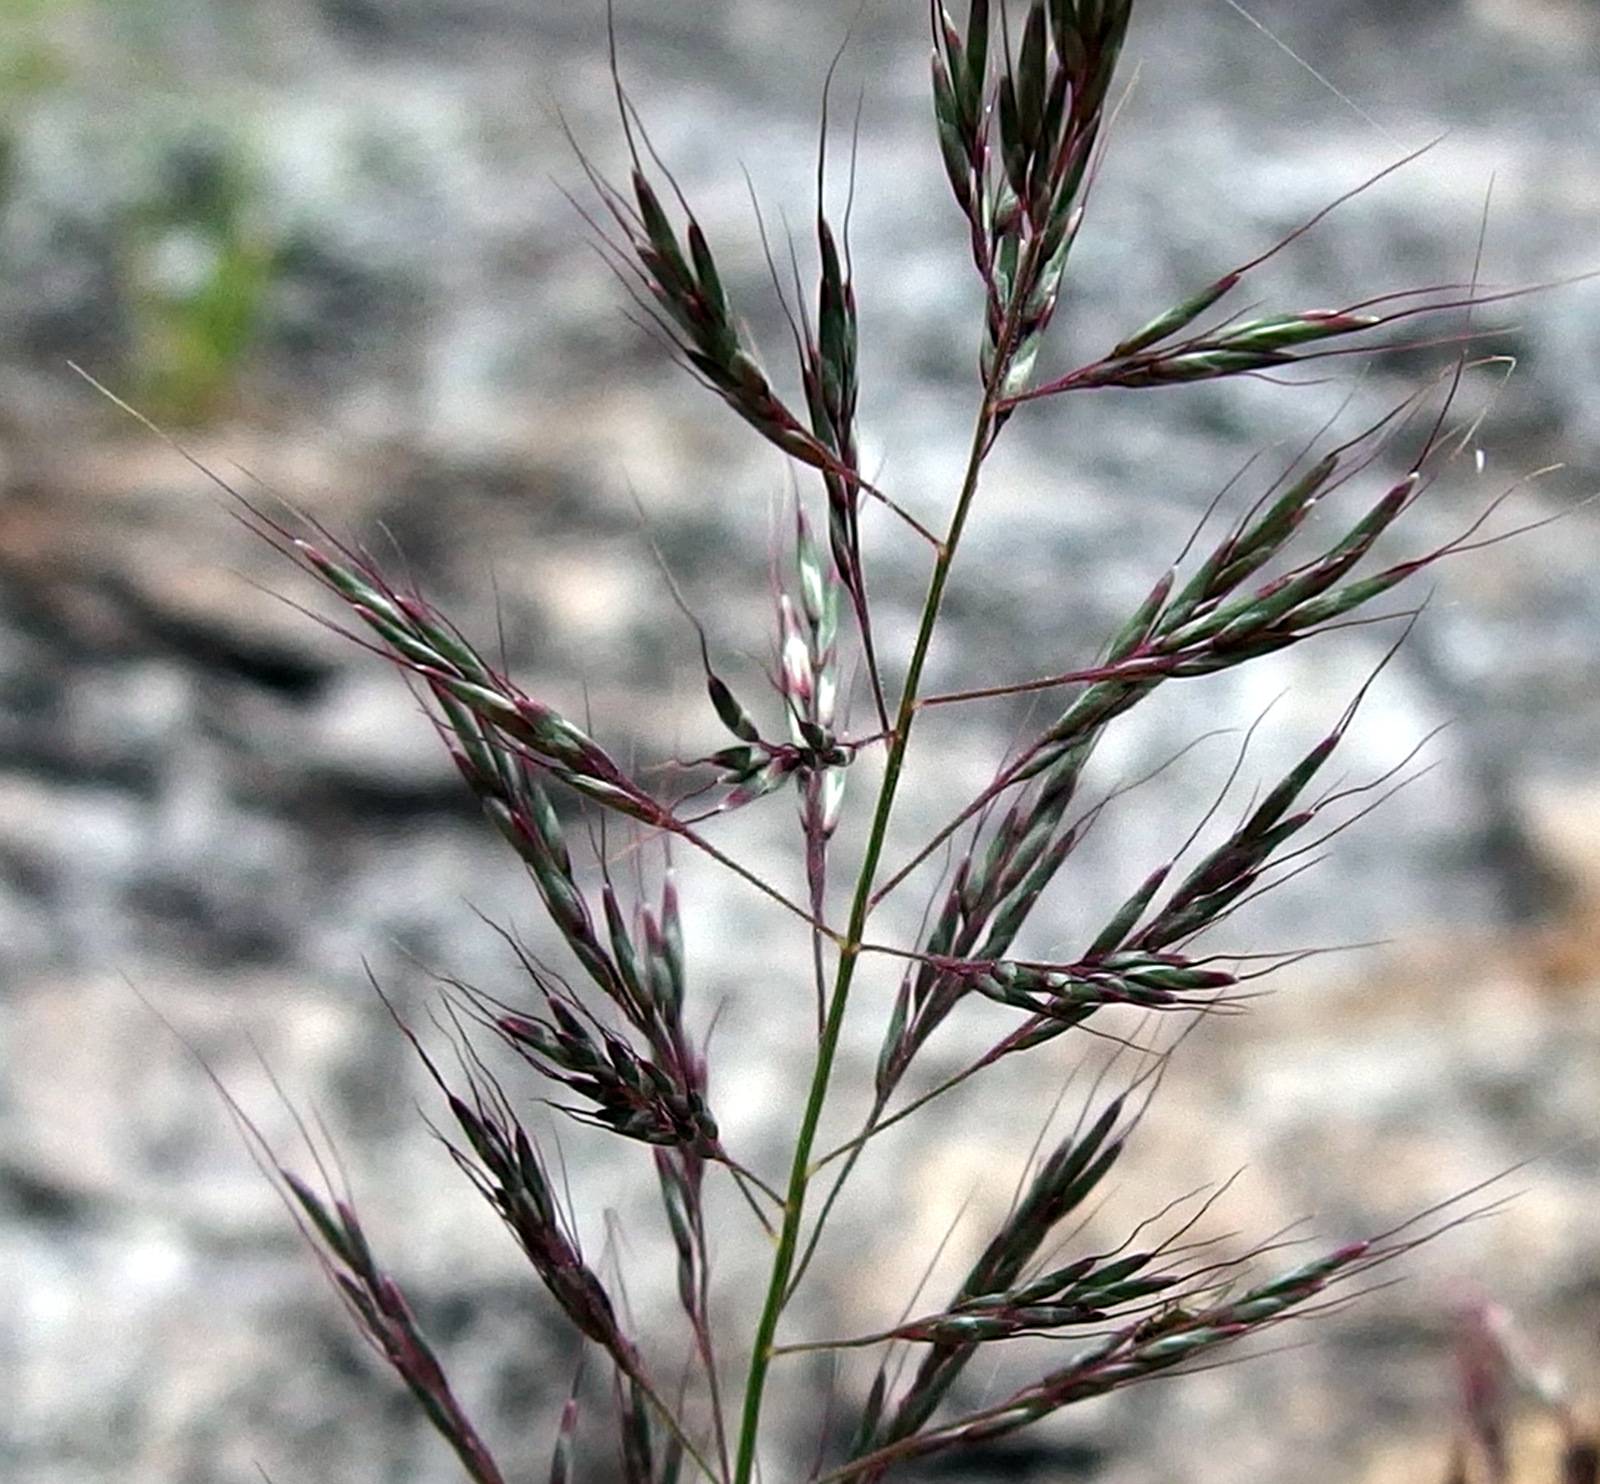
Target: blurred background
[{"x": 327, "y": 243}]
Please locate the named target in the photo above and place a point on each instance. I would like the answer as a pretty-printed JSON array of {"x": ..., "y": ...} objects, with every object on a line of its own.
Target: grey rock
[{"x": 205, "y": 794}]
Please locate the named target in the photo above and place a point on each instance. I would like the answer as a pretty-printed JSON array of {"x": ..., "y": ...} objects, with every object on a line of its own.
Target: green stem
[
  {"x": 876, "y": 1124},
  {"x": 849, "y": 952},
  {"x": 857, "y": 1145}
]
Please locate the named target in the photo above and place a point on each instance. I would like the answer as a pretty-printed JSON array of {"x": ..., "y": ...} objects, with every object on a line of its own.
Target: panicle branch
[
  {"x": 383, "y": 1316},
  {"x": 828, "y": 365},
  {"x": 1159, "y": 354},
  {"x": 1137, "y": 958},
  {"x": 1135, "y": 1351},
  {"x": 632, "y": 1096},
  {"x": 1018, "y": 139},
  {"x": 1215, "y": 621},
  {"x": 500, "y": 739},
  {"x": 807, "y": 678},
  {"x": 503, "y": 1163},
  {"x": 500, "y": 718},
  {"x": 1070, "y": 992},
  {"x": 676, "y": 282},
  {"x": 1063, "y": 1182}
]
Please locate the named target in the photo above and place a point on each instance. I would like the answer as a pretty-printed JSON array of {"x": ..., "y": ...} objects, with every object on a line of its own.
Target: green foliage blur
[
  {"x": 195, "y": 269},
  {"x": 191, "y": 262}
]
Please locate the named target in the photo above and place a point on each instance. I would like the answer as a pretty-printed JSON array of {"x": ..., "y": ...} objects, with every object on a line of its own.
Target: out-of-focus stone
[{"x": 204, "y": 790}]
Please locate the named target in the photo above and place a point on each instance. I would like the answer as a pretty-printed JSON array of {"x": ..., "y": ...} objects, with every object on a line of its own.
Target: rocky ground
[{"x": 215, "y": 813}]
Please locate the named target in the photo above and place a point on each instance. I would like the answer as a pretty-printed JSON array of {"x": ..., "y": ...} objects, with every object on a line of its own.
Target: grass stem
[{"x": 800, "y": 1171}]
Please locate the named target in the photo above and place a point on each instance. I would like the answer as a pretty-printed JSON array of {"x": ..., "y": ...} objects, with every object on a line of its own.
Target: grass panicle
[{"x": 1022, "y": 97}]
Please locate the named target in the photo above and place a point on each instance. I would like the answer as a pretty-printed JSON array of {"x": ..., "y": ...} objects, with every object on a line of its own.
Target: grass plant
[{"x": 1021, "y": 105}]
